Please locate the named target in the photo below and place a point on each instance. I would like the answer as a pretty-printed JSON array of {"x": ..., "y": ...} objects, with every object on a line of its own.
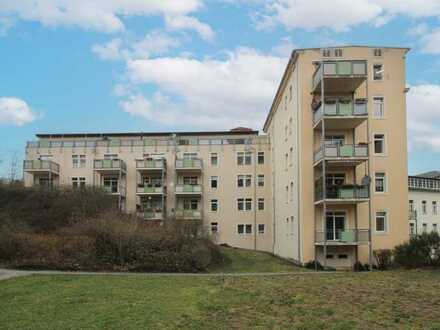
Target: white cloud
[
  {"x": 418, "y": 30},
  {"x": 153, "y": 43},
  {"x": 284, "y": 48},
  {"x": 190, "y": 23},
  {"x": 341, "y": 15},
  {"x": 14, "y": 111},
  {"x": 208, "y": 93},
  {"x": 431, "y": 42},
  {"x": 424, "y": 117},
  {"x": 103, "y": 15}
]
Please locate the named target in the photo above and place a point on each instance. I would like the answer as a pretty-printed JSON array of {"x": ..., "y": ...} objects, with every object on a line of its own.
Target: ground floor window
[
  {"x": 381, "y": 222},
  {"x": 214, "y": 227},
  {"x": 261, "y": 228},
  {"x": 244, "y": 229},
  {"x": 111, "y": 184},
  {"x": 79, "y": 182}
]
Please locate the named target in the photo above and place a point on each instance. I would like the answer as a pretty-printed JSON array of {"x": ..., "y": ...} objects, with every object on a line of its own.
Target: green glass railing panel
[
  {"x": 347, "y": 236},
  {"x": 345, "y": 109},
  {"x": 343, "y": 68},
  {"x": 107, "y": 163},
  {"x": 188, "y": 188},
  {"x": 345, "y": 193},
  {"x": 149, "y": 189},
  {"x": 188, "y": 163},
  {"x": 346, "y": 151}
]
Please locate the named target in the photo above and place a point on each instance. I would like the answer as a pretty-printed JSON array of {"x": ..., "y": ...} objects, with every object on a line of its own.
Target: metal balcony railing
[
  {"x": 342, "y": 192},
  {"x": 186, "y": 188},
  {"x": 41, "y": 165},
  {"x": 188, "y": 214},
  {"x": 195, "y": 163},
  {"x": 341, "y": 108},
  {"x": 153, "y": 164},
  {"x": 109, "y": 164},
  {"x": 339, "y": 69},
  {"x": 357, "y": 236},
  {"x": 149, "y": 190},
  {"x": 343, "y": 151},
  {"x": 115, "y": 190},
  {"x": 151, "y": 215}
]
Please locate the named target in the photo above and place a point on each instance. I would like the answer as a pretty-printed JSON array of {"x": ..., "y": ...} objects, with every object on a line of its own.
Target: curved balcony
[
  {"x": 345, "y": 154},
  {"x": 339, "y": 76}
]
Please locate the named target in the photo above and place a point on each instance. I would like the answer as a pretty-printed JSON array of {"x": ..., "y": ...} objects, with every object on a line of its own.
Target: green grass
[
  {"x": 249, "y": 261},
  {"x": 396, "y": 300}
]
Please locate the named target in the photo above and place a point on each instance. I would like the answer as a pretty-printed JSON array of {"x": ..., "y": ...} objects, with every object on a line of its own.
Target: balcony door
[{"x": 335, "y": 224}]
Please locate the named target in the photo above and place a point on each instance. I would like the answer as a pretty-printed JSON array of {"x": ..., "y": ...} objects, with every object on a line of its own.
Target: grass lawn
[
  {"x": 399, "y": 300},
  {"x": 249, "y": 261}
]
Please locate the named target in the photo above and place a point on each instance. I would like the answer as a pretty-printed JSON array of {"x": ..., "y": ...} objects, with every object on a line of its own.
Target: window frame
[
  {"x": 216, "y": 157},
  {"x": 382, "y": 74},
  {"x": 378, "y": 175},
  {"x": 384, "y": 216},
  {"x": 375, "y": 97},
  {"x": 212, "y": 203},
  {"x": 384, "y": 146}
]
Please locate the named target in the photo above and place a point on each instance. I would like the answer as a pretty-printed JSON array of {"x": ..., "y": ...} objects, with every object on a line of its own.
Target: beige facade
[
  {"x": 188, "y": 177},
  {"x": 338, "y": 122}
]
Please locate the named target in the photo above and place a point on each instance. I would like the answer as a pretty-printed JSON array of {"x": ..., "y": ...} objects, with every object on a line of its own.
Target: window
[
  {"x": 291, "y": 191},
  {"x": 261, "y": 228},
  {"x": 214, "y": 182},
  {"x": 244, "y": 180},
  {"x": 342, "y": 256},
  {"x": 334, "y": 139},
  {"x": 214, "y": 205},
  {"x": 287, "y": 194},
  {"x": 378, "y": 72},
  {"x": 244, "y": 204},
  {"x": 434, "y": 208},
  {"x": 244, "y": 158},
  {"x": 190, "y": 155},
  {"x": 214, "y": 159},
  {"x": 379, "y": 107},
  {"x": 244, "y": 229},
  {"x": 78, "y": 182},
  {"x": 214, "y": 227},
  {"x": 380, "y": 182},
  {"x": 377, "y": 52},
  {"x": 411, "y": 229},
  {"x": 290, "y": 125},
  {"x": 260, "y": 204},
  {"x": 192, "y": 204},
  {"x": 381, "y": 222},
  {"x": 434, "y": 227},
  {"x": 290, "y": 93},
  {"x": 285, "y": 102},
  {"x": 411, "y": 205},
  {"x": 111, "y": 185},
  {"x": 260, "y": 180},
  {"x": 326, "y": 53},
  {"x": 286, "y": 161},
  {"x": 190, "y": 180},
  {"x": 425, "y": 227},
  {"x": 334, "y": 179},
  {"x": 79, "y": 161},
  {"x": 286, "y": 130},
  {"x": 260, "y": 157},
  {"x": 338, "y": 52},
  {"x": 379, "y": 144},
  {"x": 424, "y": 210},
  {"x": 291, "y": 156},
  {"x": 111, "y": 157}
]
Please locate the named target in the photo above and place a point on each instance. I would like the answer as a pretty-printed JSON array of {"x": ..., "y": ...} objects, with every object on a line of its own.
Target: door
[{"x": 335, "y": 224}]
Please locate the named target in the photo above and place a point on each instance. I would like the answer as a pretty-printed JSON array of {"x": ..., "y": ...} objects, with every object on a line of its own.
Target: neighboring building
[
  {"x": 424, "y": 203},
  {"x": 339, "y": 121},
  {"x": 301, "y": 191}
]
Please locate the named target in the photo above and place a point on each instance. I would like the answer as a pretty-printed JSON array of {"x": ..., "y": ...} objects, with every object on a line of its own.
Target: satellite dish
[{"x": 366, "y": 180}]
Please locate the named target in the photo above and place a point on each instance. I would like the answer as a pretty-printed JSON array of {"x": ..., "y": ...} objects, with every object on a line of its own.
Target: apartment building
[
  {"x": 219, "y": 179},
  {"x": 424, "y": 200},
  {"x": 337, "y": 128},
  {"x": 326, "y": 182}
]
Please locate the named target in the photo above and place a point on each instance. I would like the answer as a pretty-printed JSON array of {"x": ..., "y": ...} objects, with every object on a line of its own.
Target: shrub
[
  {"x": 313, "y": 265},
  {"x": 383, "y": 258},
  {"x": 420, "y": 251},
  {"x": 360, "y": 267}
]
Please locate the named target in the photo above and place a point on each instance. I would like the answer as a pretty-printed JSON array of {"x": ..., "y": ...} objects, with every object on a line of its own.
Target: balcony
[
  {"x": 41, "y": 166},
  {"x": 120, "y": 190},
  {"x": 186, "y": 189},
  {"x": 343, "y": 194},
  {"x": 342, "y": 237},
  {"x": 109, "y": 165},
  {"x": 151, "y": 215},
  {"x": 412, "y": 215},
  {"x": 150, "y": 164},
  {"x": 339, "y": 76},
  {"x": 188, "y": 214},
  {"x": 345, "y": 154},
  {"x": 340, "y": 114},
  {"x": 149, "y": 190},
  {"x": 189, "y": 165}
]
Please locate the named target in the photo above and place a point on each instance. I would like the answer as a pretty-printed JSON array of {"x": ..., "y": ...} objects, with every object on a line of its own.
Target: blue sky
[{"x": 115, "y": 66}]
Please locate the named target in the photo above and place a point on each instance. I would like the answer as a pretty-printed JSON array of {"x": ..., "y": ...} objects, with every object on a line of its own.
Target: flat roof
[{"x": 152, "y": 134}]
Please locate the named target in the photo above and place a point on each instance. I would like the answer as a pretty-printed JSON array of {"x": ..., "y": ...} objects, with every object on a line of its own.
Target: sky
[{"x": 153, "y": 65}]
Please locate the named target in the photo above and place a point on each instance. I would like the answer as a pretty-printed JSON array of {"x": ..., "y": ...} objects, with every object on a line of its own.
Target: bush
[
  {"x": 360, "y": 267},
  {"x": 421, "y": 251},
  {"x": 383, "y": 258},
  {"x": 313, "y": 265}
]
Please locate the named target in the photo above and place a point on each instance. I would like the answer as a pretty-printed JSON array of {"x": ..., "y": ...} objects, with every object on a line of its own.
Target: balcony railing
[
  {"x": 188, "y": 214},
  {"x": 412, "y": 215},
  {"x": 420, "y": 183},
  {"x": 150, "y": 164},
  {"x": 41, "y": 165},
  {"x": 189, "y": 189},
  {"x": 109, "y": 164},
  {"x": 344, "y": 151},
  {"x": 353, "y": 236},
  {"x": 341, "y": 108},
  {"x": 112, "y": 190},
  {"x": 189, "y": 163},
  {"x": 149, "y": 190},
  {"x": 151, "y": 215},
  {"x": 342, "y": 192},
  {"x": 339, "y": 69}
]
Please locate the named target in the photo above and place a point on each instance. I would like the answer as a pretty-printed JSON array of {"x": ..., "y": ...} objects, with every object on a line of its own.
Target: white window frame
[
  {"x": 211, "y": 178},
  {"x": 425, "y": 207},
  {"x": 214, "y": 202},
  {"x": 383, "y": 69},
  {"x": 375, "y": 97},
  {"x": 261, "y": 228},
  {"x": 386, "y": 224},
  {"x": 262, "y": 202},
  {"x": 260, "y": 180},
  {"x": 384, "y": 184},
  {"x": 385, "y": 147},
  {"x": 217, "y": 157},
  {"x": 260, "y": 153},
  {"x": 245, "y": 178},
  {"x": 214, "y": 225}
]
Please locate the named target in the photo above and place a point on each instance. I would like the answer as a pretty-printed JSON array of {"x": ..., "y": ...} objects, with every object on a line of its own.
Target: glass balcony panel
[
  {"x": 343, "y": 68},
  {"x": 359, "y": 68},
  {"x": 346, "y": 151},
  {"x": 330, "y": 108},
  {"x": 345, "y": 108},
  {"x": 329, "y": 69}
]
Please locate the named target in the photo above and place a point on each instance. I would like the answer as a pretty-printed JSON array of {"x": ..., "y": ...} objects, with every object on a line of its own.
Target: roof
[
  {"x": 429, "y": 175},
  {"x": 292, "y": 60},
  {"x": 152, "y": 134}
]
